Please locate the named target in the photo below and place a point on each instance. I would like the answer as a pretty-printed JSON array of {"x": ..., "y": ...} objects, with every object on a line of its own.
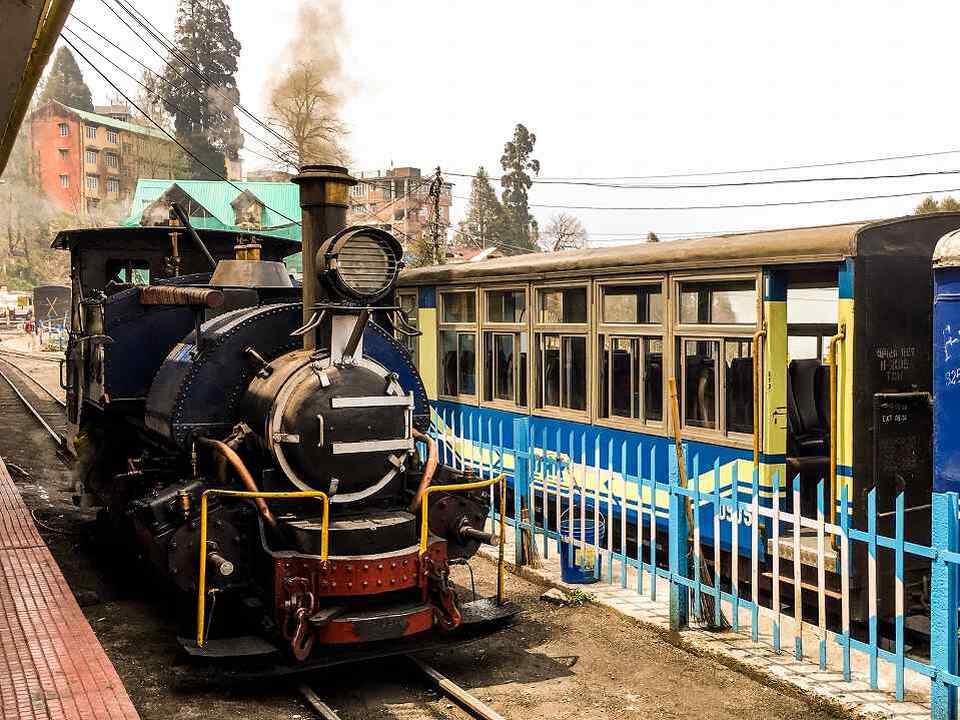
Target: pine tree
[
  {"x": 65, "y": 83},
  {"x": 483, "y": 225},
  {"x": 516, "y": 161},
  {"x": 203, "y": 86}
]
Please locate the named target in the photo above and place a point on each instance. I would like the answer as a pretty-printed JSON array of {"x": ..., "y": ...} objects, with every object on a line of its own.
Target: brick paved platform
[{"x": 53, "y": 666}]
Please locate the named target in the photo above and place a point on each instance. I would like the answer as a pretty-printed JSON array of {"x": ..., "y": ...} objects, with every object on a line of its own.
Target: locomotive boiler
[{"x": 267, "y": 444}]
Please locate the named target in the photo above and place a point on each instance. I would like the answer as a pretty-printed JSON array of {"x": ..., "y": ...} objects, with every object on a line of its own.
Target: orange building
[{"x": 88, "y": 161}]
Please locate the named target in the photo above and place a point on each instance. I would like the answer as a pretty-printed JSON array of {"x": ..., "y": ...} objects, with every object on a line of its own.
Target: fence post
[
  {"x": 943, "y": 607},
  {"x": 677, "y": 540},
  {"x": 522, "y": 469}
]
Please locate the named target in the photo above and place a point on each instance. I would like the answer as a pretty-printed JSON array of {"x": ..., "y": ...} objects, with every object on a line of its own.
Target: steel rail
[
  {"x": 57, "y": 437},
  {"x": 60, "y": 401}
]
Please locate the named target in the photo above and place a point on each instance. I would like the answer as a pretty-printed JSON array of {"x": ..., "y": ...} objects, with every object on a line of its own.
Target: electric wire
[{"x": 126, "y": 97}]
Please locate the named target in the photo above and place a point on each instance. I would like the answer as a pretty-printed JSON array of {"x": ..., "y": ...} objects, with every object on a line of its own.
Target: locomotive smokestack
[{"x": 324, "y": 199}]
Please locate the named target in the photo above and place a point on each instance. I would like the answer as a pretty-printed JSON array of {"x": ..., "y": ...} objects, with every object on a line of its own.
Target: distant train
[
  {"x": 51, "y": 304},
  {"x": 15, "y": 304}
]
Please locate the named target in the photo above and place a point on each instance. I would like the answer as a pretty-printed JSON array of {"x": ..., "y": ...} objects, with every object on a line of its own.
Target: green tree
[
  {"x": 517, "y": 161},
  {"x": 65, "y": 83},
  {"x": 203, "y": 86},
  {"x": 484, "y": 224},
  {"x": 929, "y": 205}
]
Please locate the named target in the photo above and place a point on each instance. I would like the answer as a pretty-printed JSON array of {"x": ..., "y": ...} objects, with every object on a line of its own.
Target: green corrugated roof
[
  {"x": 118, "y": 124},
  {"x": 279, "y": 199}
]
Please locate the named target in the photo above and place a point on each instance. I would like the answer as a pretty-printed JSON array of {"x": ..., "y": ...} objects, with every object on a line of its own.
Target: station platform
[{"x": 52, "y": 667}]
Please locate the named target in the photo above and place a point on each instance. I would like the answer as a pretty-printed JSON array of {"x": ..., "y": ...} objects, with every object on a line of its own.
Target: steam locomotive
[{"x": 266, "y": 443}]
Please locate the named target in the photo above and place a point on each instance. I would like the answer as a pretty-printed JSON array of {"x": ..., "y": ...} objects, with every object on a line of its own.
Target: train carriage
[{"x": 835, "y": 319}]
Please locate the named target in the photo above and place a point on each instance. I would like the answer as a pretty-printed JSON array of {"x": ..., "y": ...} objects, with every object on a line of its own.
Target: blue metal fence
[{"x": 643, "y": 501}]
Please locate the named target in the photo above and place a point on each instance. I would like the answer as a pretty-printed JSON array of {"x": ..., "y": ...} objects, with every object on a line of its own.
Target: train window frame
[
  {"x": 721, "y": 334},
  {"x": 564, "y": 332},
  {"x": 520, "y": 332},
  {"x": 460, "y": 328},
  {"x": 411, "y": 343},
  {"x": 605, "y": 331}
]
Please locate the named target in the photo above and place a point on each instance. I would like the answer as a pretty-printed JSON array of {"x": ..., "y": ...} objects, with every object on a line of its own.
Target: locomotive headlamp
[{"x": 360, "y": 263}]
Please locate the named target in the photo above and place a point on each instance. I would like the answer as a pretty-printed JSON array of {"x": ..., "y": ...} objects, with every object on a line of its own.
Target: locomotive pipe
[
  {"x": 185, "y": 296},
  {"x": 228, "y": 454},
  {"x": 324, "y": 201},
  {"x": 468, "y": 532},
  {"x": 428, "y": 470},
  {"x": 185, "y": 221}
]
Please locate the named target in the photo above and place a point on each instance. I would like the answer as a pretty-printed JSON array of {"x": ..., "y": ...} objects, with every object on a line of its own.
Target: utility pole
[{"x": 436, "y": 188}]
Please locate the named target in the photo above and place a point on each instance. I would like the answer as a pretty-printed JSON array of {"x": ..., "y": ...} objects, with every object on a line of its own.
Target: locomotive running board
[{"x": 244, "y": 657}]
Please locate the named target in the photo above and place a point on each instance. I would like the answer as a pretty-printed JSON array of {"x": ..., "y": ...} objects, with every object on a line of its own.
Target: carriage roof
[
  {"x": 76, "y": 239},
  {"x": 824, "y": 243}
]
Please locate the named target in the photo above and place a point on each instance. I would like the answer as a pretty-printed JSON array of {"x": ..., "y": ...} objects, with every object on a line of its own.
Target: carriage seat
[{"x": 808, "y": 409}]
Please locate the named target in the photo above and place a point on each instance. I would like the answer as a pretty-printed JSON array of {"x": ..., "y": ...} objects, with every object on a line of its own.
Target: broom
[{"x": 708, "y": 609}]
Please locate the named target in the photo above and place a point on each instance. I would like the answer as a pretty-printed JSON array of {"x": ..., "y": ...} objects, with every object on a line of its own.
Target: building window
[
  {"x": 113, "y": 185},
  {"x": 93, "y": 182},
  {"x": 90, "y": 157},
  {"x": 561, "y": 349},
  {"x": 64, "y": 129},
  {"x": 716, "y": 371},
  {"x": 410, "y": 310},
  {"x": 113, "y": 160},
  {"x": 113, "y": 137},
  {"x": 64, "y": 153},
  {"x": 64, "y": 181},
  {"x": 91, "y": 132},
  {"x": 458, "y": 344},
  {"x": 630, "y": 352},
  {"x": 92, "y": 205},
  {"x": 505, "y": 346}
]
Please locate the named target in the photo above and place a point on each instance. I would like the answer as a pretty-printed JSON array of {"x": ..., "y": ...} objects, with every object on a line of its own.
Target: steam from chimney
[{"x": 306, "y": 97}]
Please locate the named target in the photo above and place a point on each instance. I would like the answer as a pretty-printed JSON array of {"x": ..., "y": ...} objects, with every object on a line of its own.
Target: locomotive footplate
[{"x": 243, "y": 657}]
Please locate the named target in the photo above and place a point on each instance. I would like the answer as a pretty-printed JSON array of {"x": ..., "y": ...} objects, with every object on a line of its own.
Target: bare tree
[
  {"x": 305, "y": 112},
  {"x": 563, "y": 232}
]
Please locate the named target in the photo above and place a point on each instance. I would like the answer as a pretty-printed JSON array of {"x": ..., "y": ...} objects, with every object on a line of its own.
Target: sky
[{"x": 626, "y": 89}]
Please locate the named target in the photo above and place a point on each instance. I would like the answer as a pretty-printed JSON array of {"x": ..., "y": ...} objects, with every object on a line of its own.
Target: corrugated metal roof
[
  {"x": 281, "y": 201},
  {"x": 106, "y": 120}
]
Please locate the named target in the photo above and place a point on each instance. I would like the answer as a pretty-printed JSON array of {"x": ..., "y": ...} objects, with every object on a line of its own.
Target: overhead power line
[
  {"x": 166, "y": 101},
  {"x": 745, "y": 183},
  {"x": 162, "y": 129},
  {"x": 780, "y": 203}
]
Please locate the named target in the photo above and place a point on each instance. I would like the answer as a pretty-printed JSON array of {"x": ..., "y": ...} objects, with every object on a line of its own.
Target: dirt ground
[{"x": 552, "y": 663}]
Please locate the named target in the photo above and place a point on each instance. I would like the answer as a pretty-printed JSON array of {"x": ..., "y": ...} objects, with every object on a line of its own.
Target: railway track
[
  {"x": 45, "y": 407},
  {"x": 467, "y": 702}
]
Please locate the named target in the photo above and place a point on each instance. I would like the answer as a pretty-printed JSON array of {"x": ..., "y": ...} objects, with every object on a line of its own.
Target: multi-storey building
[
  {"x": 398, "y": 200},
  {"x": 88, "y": 161}
]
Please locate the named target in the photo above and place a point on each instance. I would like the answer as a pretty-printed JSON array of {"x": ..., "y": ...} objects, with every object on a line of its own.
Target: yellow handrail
[
  {"x": 834, "y": 346},
  {"x": 202, "y": 579},
  {"x": 425, "y": 508},
  {"x": 757, "y": 395}
]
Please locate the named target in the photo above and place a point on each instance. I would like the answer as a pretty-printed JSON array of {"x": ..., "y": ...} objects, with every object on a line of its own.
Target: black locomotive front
[{"x": 267, "y": 443}]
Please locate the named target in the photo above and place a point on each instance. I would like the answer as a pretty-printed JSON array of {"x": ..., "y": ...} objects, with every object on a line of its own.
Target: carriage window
[
  {"x": 459, "y": 307},
  {"x": 699, "y": 387},
  {"x": 505, "y": 351},
  {"x": 458, "y": 363},
  {"x": 632, "y": 304},
  {"x": 506, "y": 306},
  {"x": 718, "y": 303},
  {"x": 631, "y": 378},
  {"x": 408, "y": 306},
  {"x": 562, "y": 306},
  {"x": 738, "y": 371},
  {"x": 562, "y": 371}
]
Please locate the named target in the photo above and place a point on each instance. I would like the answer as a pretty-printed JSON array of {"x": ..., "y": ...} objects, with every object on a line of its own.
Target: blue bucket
[{"x": 581, "y": 565}]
